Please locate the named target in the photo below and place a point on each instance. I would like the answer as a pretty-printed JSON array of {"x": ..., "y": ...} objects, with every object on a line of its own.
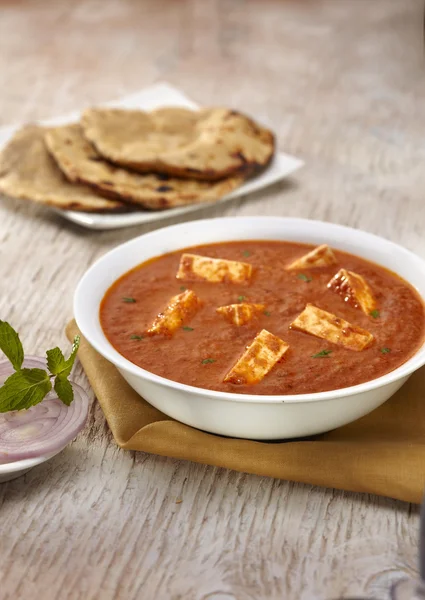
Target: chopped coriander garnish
[
  {"x": 322, "y": 354},
  {"x": 129, "y": 300},
  {"x": 186, "y": 328},
  {"x": 385, "y": 350},
  {"x": 208, "y": 361},
  {"x": 305, "y": 278},
  {"x": 241, "y": 298},
  {"x": 267, "y": 313},
  {"x": 375, "y": 313},
  {"x": 246, "y": 253},
  {"x": 137, "y": 337},
  {"x": 182, "y": 288}
]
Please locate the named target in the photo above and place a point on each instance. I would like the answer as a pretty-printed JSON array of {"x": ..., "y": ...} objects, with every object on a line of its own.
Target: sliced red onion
[{"x": 42, "y": 429}]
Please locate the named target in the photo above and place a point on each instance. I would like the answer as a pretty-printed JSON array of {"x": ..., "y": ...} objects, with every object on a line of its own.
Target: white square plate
[{"x": 161, "y": 94}]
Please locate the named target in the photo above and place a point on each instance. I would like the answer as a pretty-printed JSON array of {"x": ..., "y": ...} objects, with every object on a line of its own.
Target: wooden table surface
[{"x": 343, "y": 84}]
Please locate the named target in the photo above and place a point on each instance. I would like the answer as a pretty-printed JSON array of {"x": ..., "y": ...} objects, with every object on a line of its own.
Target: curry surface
[{"x": 398, "y": 331}]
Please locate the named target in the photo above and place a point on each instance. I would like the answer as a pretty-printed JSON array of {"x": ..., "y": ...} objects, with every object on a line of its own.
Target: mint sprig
[{"x": 28, "y": 387}]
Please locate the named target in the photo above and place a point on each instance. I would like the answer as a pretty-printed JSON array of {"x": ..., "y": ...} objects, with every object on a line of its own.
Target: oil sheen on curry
[{"x": 261, "y": 317}]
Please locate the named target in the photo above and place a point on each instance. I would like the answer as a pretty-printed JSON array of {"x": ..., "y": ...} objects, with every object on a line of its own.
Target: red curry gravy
[{"x": 201, "y": 353}]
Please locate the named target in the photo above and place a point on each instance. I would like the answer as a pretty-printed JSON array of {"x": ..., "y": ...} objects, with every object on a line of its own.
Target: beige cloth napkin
[{"x": 382, "y": 453}]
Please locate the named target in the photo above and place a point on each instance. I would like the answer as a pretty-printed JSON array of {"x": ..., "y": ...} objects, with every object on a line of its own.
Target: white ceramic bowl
[{"x": 243, "y": 415}]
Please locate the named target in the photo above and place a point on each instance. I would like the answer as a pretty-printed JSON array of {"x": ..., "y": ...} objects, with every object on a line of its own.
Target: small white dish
[
  {"x": 16, "y": 468},
  {"x": 12, "y": 470},
  {"x": 161, "y": 94},
  {"x": 247, "y": 415}
]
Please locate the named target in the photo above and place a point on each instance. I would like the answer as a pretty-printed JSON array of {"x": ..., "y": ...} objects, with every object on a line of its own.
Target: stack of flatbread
[{"x": 116, "y": 160}]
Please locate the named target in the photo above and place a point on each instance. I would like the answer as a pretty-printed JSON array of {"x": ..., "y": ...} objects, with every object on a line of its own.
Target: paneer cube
[
  {"x": 354, "y": 289},
  {"x": 180, "y": 310},
  {"x": 240, "y": 314},
  {"x": 327, "y": 326},
  {"x": 322, "y": 256},
  {"x": 215, "y": 270},
  {"x": 259, "y": 359}
]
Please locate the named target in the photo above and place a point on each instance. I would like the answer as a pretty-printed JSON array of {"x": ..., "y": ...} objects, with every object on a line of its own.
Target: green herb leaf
[
  {"x": 28, "y": 387},
  {"x": 267, "y": 313},
  {"x": 186, "y": 328},
  {"x": 182, "y": 288},
  {"x": 129, "y": 300},
  {"x": 137, "y": 337},
  {"x": 385, "y": 350},
  {"x": 64, "y": 389},
  {"x": 11, "y": 345},
  {"x": 305, "y": 278},
  {"x": 375, "y": 313},
  {"x": 208, "y": 361},
  {"x": 246, "y": 253},
  {"x": 56, "y": 362},
  {"x": 241, "y": 298},
  {"x": 23, "y": 389},
  {"x": 71, "y": 358},
  {"x": 322, "y": 354}
]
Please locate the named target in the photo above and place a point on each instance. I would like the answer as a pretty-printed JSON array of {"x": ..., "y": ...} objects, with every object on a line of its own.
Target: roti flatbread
[
  {"x": 208, "y": 144},
  {"x": 80, "y": 162},
  {"x": 27, "y": 171}
]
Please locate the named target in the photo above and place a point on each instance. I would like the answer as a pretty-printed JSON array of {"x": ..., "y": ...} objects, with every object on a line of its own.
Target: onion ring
[{"x": 42, "y": 429}]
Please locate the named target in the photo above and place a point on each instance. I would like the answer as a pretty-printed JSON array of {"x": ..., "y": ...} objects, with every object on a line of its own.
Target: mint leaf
[
  {"x": 56, "y": 361},
  {"x": 375, "y": 314},
  {"x": 69, "y": 363},
  {"x": 208, "y": 361},
  {"x": 24, "y": 389},
  {"x": 11, "y": 345},
  {"x": 64, "y": 389}
]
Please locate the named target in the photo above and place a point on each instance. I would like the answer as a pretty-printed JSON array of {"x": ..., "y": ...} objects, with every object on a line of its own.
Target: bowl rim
[{"x": 123, "y": 364}]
